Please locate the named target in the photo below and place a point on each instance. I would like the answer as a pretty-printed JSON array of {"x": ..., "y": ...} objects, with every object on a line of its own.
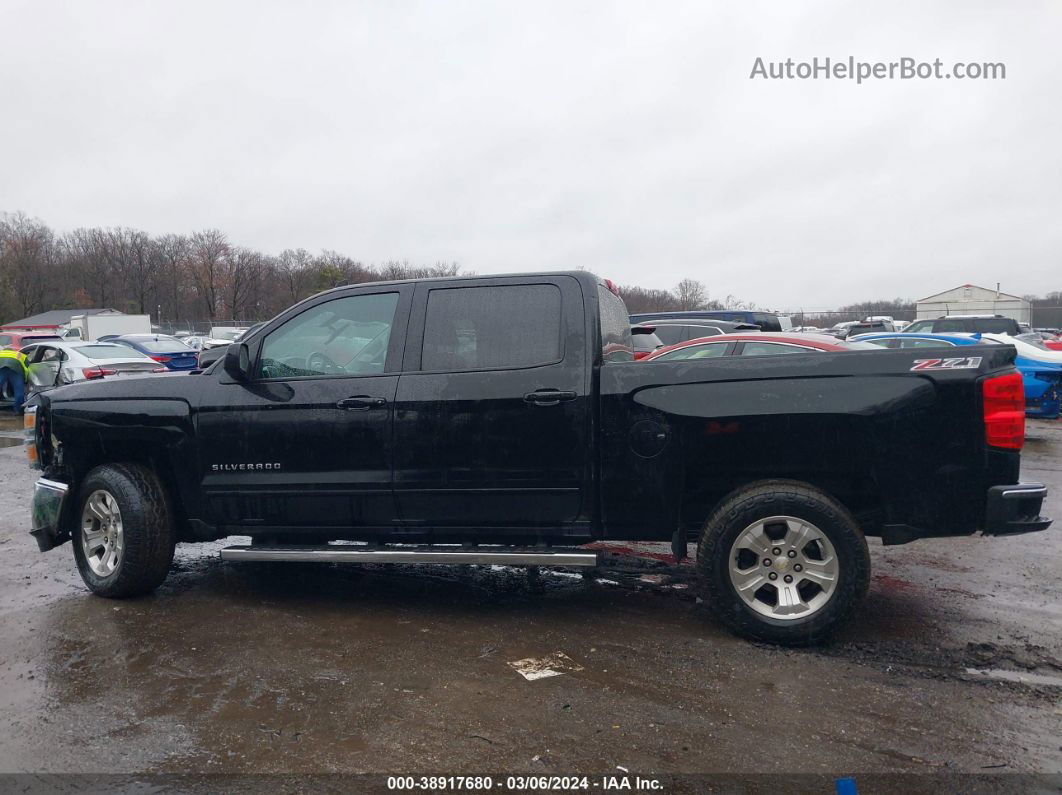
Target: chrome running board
[{"x": 455, "y": 556}]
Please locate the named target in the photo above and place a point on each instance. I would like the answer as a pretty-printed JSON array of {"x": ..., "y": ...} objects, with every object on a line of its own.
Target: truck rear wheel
[
  {"x": 783, "y": 562},
  {"x": 124, "y": 540}
]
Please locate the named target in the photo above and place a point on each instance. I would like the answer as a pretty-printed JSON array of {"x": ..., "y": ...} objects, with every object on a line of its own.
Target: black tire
[
  {"x": 782, "y": 498},
  {"x": 147, "y": 530}
]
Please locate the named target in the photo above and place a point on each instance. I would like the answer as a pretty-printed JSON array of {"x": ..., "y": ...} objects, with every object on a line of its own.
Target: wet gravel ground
[{"x": 953, "y": 666}]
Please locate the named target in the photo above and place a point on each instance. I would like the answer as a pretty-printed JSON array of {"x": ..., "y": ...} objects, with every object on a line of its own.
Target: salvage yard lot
[{"x": 953, "y": 665}]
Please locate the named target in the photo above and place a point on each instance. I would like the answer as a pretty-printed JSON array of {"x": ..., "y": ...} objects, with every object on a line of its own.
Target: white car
[
  {"x": 1038, "y": 352},
  {"x": 67, "y": 362},
  {"x": 223, "y": 335}
]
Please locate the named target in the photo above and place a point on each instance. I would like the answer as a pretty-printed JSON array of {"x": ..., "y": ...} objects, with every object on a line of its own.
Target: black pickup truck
[{"x": 502, "y": 420}]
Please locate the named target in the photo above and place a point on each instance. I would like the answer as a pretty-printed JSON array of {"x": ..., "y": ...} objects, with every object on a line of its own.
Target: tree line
[
  {"x": 182, "y": 280},
  {"x": 177, "y": 279},
  {"x": 204, "y": 276}
]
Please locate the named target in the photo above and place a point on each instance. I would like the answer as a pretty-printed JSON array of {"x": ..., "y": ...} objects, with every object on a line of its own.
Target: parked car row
[
  {"x": 680, "y": 337},
  {"x": 659, "y": 336},
  {"x": 1040, "y": 367}
]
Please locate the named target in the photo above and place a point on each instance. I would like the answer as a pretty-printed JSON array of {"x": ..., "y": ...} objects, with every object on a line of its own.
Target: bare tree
[
  {"x": 295, "y": 269},
  {"x": 173, "y": 253},
  {"x": 209, "y": 250},
  {"x": 27, "y": 260},
  {"x": 242, "y": 272},
  {"x": 691, "y": 294}
]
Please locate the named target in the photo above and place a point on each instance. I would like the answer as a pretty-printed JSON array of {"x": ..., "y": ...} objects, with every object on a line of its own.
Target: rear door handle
[
  {"x": 548, "y": 397},
  {"x": 361, "y": 403}
]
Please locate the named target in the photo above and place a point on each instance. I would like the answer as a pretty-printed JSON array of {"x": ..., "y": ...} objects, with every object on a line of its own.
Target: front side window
[
  {"x": 923, "y": 326},
  {"x": 44, "y": 364},
  {"x": 771, "y": 349},
  {"x": 709, "y": 350},
  {"x": 340, "y": 338},
  {"x": 491, "y": 327}
]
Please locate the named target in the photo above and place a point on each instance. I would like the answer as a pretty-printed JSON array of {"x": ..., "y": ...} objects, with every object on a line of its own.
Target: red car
[
  {"x": 14, "y": 340},
  {"x": 754, "y": 344}
]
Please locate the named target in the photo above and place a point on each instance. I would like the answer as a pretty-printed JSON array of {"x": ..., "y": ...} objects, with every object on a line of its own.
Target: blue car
[
  {"x": 167, "y": 351},
  {"x": 1041, "y": 376}
]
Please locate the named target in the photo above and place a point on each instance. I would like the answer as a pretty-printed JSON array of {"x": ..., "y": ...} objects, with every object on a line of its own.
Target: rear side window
[
  {"x": 646, "y": 343},
  {"x": 924, "y": 326},
  {"x": 766, "y": 322},
  {"x": 478, "y": 328},
  {"x": 771, "y": 349},
  {"x": 994, "y": 325},
  {"x": 709, "y": 350},
  {"x": 5, "y": 339},
  {"x": 670, "y": 335},
  {"x": 944, "y": 326},
  {"x": 616, "y": 343},
  {"x": 696, "y": 332}
]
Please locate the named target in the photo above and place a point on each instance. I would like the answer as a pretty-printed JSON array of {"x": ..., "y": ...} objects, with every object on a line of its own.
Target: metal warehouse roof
[
  {"x": 54, "y": 317},
  {"x": 983, "y": 294}
]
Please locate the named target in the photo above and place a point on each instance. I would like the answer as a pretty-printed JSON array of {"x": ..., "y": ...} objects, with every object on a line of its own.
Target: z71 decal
[{"x": 955, "y": 363}]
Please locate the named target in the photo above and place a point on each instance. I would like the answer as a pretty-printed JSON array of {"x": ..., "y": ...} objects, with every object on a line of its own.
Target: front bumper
[
  {"x": 49, "y": 497},
  {"x": 1015, "y": 509}
]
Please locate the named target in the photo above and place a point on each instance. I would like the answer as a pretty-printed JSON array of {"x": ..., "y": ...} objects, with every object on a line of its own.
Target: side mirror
[{"x": 238, "y": 361}]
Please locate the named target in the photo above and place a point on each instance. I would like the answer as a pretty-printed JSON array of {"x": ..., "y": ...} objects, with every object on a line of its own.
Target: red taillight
[
  {"x": 161, "y": 358},
  {"x": 612, "y": 288},
  {"x": 97, "y": 372},
  {"x": 1004, "y": 407}
]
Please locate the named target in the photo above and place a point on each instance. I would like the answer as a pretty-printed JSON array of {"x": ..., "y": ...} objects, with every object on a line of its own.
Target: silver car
[{"x": 69, "y": 361}]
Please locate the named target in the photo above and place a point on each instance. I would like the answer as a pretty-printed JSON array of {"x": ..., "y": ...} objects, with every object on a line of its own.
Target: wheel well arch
[
  {"x": 88, "y": 456},
  {"x": 859, "y": 493}
]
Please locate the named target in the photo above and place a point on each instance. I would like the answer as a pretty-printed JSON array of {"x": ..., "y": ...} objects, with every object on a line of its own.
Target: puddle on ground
[
  {"x": 10, "y": 441},
  {"x": 1024, "y": 677}
]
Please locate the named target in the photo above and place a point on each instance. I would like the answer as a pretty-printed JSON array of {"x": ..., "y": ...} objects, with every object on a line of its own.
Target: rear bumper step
[{"x": 456, "y": 556}]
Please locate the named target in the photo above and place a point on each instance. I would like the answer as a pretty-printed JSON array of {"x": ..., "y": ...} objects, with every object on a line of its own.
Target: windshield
[
  {"x": 1033, "y": 339},
  {"x": 163, "y": 345},
  {"x": 229, "y": 335},
  {"x": 109, "y": 352}
]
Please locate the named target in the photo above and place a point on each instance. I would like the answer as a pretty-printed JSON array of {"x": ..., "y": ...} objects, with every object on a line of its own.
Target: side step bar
[{"x": 485, "y": 556}]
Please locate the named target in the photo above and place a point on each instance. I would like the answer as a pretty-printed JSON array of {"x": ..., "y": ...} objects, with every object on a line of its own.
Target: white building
[{"x": 969, "y": 299}]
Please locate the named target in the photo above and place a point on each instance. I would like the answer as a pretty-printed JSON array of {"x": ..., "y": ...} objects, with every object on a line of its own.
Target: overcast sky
[{"x": 626, "y": 138}]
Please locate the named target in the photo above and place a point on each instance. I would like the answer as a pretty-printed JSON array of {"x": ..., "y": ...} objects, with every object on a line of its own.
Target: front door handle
[
  {"x": 361, "y": 403},
  {"x": 548, "y": 397}
]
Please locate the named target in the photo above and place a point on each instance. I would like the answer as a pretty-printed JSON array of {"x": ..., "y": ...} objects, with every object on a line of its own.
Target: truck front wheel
[
  {"x": 783, "y": 562},
  {"x": 124, "y": 540}
]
